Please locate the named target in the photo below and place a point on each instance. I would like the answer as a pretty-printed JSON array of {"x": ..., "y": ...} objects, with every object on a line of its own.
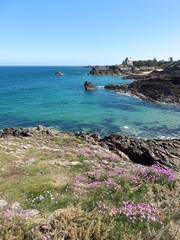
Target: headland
[{"x": 155, "y": 85}]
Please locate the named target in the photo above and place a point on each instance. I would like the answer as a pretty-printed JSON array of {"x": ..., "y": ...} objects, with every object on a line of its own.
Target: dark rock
[
  {"x": 172, "y": 67},
  {"x": 152, "y": 89},
  {"x": 89, "y": 66},
  {"x": 58, "y": 73},
  {"x": 38, "y": 131},
  {"x": 88, "y": 137},
  {"x": 176, "y": 80},
  {"x": 145, "y": 152},
  {"x": 89, "y": 86},
  {"x": 148, "y": 152},
  {"x": 107, "y": 70},
  {"x": 115, "y": 87}
]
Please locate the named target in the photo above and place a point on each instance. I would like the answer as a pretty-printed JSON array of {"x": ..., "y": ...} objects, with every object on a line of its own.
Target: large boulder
[{"x": 89, "y": 86}]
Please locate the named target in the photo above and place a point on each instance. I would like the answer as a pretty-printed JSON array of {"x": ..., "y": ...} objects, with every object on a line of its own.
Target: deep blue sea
[{"x": 31, "y": 96}]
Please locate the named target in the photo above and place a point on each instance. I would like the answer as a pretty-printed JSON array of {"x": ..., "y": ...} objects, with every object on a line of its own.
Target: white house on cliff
[{"x": 128, "y": 61}]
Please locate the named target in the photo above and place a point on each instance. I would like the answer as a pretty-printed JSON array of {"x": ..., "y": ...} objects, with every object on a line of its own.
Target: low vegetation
[
  {"x": 62, "y": 188},
  {"x": 152, "y": 63}
]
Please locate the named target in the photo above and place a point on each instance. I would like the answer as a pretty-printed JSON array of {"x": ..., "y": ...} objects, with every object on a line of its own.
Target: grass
[{"x": 99, "y": 198}]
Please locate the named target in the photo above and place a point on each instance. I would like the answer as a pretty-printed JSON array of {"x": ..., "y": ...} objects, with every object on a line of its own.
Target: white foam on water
[
  {"x": 125, "y": 127},
  {"x": 100, "y": 87}
]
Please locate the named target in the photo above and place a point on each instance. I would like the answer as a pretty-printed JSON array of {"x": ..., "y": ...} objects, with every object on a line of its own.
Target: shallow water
[{"x": 31, "y": 96}]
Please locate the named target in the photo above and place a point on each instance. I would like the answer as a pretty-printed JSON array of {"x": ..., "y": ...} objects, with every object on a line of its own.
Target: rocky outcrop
[
  {"x": 156, "y": 74},
  {"x": 88, "y": 66},
  {"x": 159, "y": 86},
  {"x": 58, "y": 73},
  {"x": 157, "y": 90},
  {"x": 28, "y": 132},
  {"x": 176, "y": 80},
  {"x": 141, "y": 151},
  {"x": 117, "y": 70},
  {"x": 173, "y": 67},
  {"x": 145, "y": 152},
  {"x": 142, "y": 73},
  {"x": 89, "y": 86},
  {"x": 114, "y": 70},
  {"x": 88, "y": 137},
  {"x": 98, "y": 71}
]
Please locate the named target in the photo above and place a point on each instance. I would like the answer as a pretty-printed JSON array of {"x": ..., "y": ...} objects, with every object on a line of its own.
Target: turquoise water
[{"x": 31, "y": 96}]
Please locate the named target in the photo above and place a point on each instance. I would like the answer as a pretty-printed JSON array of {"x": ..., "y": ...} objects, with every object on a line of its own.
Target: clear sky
[{"x": 83, "y": 32}]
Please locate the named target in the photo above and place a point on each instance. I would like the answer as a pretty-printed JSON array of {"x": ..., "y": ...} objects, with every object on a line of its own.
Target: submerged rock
[{"x": 89, "y": 86}]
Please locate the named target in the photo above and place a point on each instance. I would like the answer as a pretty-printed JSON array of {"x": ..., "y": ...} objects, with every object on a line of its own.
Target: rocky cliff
[
  {"x": 114, "y": 70},
  {"x": 131, "y": 150},
  {"x": 145, "y": 152},
  {"x": 157, "y": 86}
]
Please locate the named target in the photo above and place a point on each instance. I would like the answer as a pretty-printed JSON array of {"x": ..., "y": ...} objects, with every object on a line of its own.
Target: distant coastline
[{"x": 151, "y": 84}]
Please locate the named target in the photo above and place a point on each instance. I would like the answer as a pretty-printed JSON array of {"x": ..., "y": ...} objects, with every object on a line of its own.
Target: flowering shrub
[
  {"x": 118, "y": 192},
  {"x": 133, "y": 179},
  {"x": 111, "y": 181},
  {"x": 45, "y": 197},
  {"x": 141, "y": 212},
  {"x": 12, "y": 224},
  {"x": 156, "y": 172}
]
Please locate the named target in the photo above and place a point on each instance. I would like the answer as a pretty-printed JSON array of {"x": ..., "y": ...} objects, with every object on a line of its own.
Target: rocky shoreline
[
  {"x": 157, "y": 86},
  {"x": 141, "y": 151},
  {"x": 145, "y": 152},
  {"x": 55, "y": 183},
  {"x": 155, "y": 90}
]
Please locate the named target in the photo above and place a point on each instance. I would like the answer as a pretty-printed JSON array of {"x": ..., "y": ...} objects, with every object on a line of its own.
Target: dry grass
[{"x": 70, "y": 223}]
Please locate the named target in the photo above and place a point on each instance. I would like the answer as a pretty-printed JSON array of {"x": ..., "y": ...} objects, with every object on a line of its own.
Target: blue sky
[{"x": 81, "y": 32}]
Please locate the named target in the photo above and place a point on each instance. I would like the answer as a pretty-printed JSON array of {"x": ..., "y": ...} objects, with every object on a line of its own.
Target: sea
[{"x": 31, "y": 96}]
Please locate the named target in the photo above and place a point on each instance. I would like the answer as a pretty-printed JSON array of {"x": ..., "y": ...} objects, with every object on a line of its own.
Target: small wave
[
  {"x": 125, "y": 127},
  {"x": 129, "y": 95},
  {"x": 168, "y": 137},
  {"x": 100, "y": 87}
]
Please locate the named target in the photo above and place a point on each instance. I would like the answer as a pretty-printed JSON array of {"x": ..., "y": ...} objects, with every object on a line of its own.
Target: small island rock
[
  {"x": 89, "y": 86},
  {"x": 58, "y": 73}
]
